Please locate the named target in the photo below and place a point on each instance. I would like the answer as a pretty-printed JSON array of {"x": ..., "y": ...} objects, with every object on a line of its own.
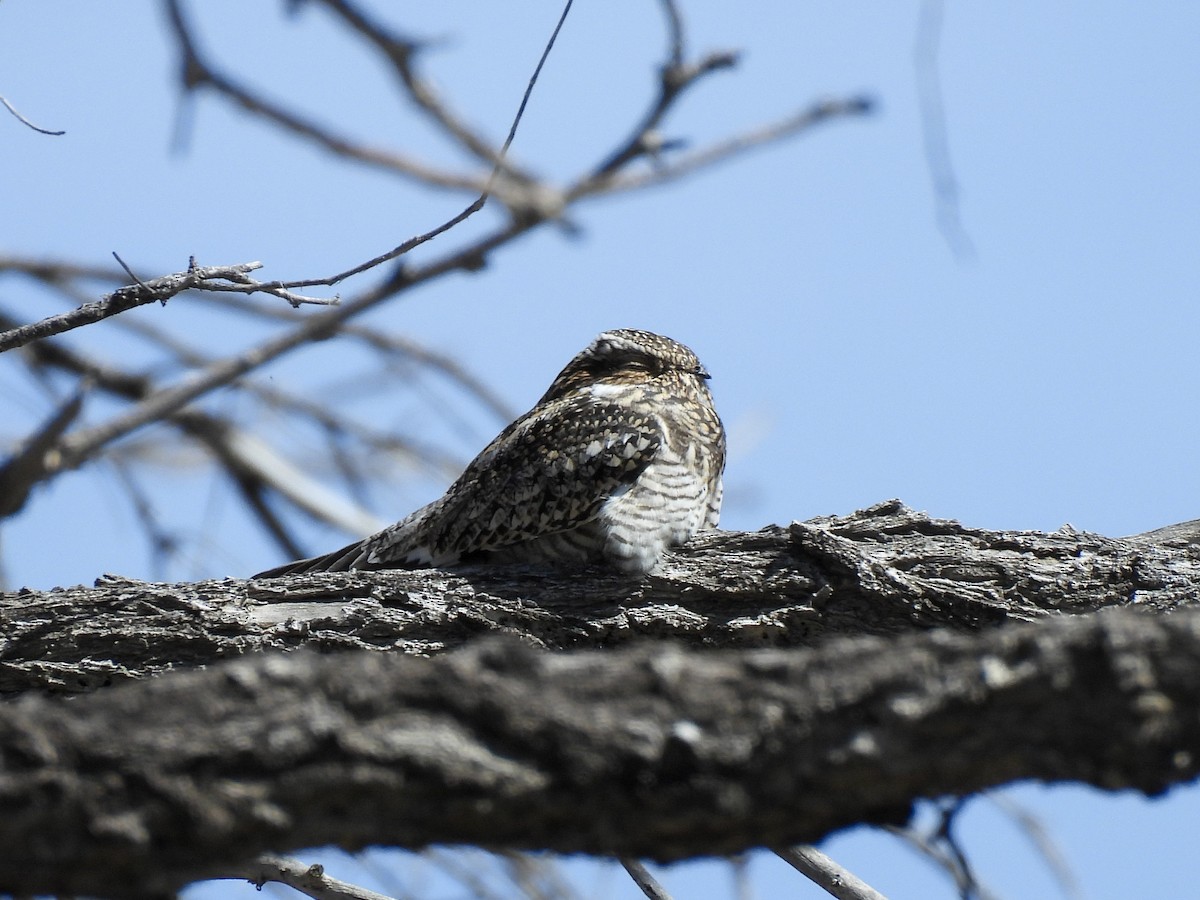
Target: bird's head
[{"x": 626, "y": 357}]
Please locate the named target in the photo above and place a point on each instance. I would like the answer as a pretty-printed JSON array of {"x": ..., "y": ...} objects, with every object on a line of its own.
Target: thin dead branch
[
  {"x": 647, "y": 883},
  {"x": 825, "y": 872},
  {"x": 535, "y": 211},
  {"x": 197, "y": 73},
  {"x": 675, "y": 76},
  {"x": 308, "y": 880},
  {"x": 805, "y": 120},
  {"x": 24, "y": 121},
  {"x": 402, "y": 53},
  {"x": 160, "y": 290}
]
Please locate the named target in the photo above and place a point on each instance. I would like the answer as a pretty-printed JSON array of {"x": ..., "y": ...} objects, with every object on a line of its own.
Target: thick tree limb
[
  {"x": 883, "y": 570},
  {"x": 651, "y": 751}
]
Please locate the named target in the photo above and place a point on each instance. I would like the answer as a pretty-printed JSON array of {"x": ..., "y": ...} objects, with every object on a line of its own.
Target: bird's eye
[
  {"x": 637, "y": 364},
  {"x": 646, "y": 364}
]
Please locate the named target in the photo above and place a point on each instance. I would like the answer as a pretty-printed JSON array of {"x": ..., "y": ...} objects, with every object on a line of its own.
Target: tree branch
[
  {"x": 196, "y": 72},
  {"x": 401, "y": 53},
  {"x": 833, "y": 878},
  {"x": 674, "y": 79},
  {"x": 885, "y": 570},
  {"x": 647, "y": 883},
  {"x": 160, "y": 290},
  {"x": 248, "y": 460},
  {"x": 24, "y": 121},
  {"x": 651, "y": 751},
  {"x": 802, "y": 121},
  {"x": 82, "y": 445},
  {"x": 636, "y": 751},
  {"x": 309, "y": 880}
]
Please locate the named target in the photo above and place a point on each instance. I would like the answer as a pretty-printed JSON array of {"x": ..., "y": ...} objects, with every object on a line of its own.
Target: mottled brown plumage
[{"x": 620, "y": 459}]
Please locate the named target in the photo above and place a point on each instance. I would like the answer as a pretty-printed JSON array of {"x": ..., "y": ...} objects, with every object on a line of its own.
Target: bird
[{"x": 621, "y": 459}]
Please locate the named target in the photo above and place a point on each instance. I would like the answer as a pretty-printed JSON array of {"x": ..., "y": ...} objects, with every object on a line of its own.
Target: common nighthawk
[{"x": 620, "y": 459}]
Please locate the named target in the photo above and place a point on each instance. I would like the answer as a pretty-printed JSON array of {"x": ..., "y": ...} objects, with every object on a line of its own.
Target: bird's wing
[{"x": 550, "y": 471}]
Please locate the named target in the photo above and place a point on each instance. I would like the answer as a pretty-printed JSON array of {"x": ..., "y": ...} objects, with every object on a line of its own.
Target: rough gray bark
[
  {"x": 655, "y": 750},
  {"x": 884, "y": 570},
  {"x": 652, "y": 751}
]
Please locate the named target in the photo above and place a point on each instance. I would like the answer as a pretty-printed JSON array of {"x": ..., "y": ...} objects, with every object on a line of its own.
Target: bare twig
[
  {"x": 81, "y": 445},
  {"x": 414, "y": 242},
  {"x": 969, "y": 887},
  {"x": 250, "y": 463},
  {"x": 673, "y": 81},
  {"x": 946, "y": 856},
  {"x": 248, "y": 456},
  {"x": 309, "y": 880},
  {"x": 254, "y": 493},
  {"x": 512, "y": 131},
  {"x": 197, "y": 73},
  {"x": 447, "y": 366},
  {"x": 242, "y": 284},
  {"x": 676, "y": 40},
  {"x": 641, "y": 876},
  {"x": 808, "y": 118},
  {"x": 531, "y": 203},
  {"x": 401, "y": 53},
  {"x": 24, "y": 121},
  {"x": 392, "y": 347},
  {"x": 823, "y": 871},
  {"x": 742, "y": 887},
  {"x": 674, "y": 78},
  {"x": 134, "y": 278},
  {"x": 206, "y": 278}
]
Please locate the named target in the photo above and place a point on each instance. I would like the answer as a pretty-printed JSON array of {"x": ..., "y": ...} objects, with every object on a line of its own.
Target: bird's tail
[{"x": 338, "y": 561}]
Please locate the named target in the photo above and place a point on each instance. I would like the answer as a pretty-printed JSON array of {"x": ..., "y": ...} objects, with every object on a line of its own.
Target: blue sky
[{"x": 1048, "y": 377}]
